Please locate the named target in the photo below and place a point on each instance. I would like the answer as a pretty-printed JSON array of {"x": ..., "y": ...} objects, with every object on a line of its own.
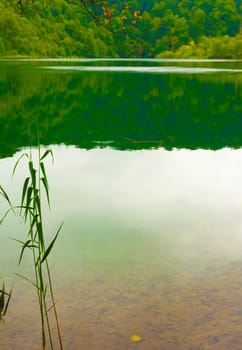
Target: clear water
[{"x": 148, "y": 180}]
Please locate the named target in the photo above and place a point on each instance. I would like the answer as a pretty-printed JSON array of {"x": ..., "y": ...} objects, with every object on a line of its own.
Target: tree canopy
[{"x": 119, "y": 28}]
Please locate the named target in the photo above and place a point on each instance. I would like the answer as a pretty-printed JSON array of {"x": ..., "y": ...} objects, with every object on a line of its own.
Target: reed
[
  {"x": 3, "y": 302},
  {"x": 35, "y": 187}
]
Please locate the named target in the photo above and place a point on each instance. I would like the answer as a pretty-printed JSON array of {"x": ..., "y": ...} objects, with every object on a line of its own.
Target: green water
[
  {"x": 148, "y": 180},
  {"x": 131, "y": 109}
]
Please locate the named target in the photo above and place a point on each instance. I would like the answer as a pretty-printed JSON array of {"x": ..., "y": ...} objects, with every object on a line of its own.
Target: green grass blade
[
  {"x": 28, "y": 201},
  {"x": 42, "y": 167},
  {"x": 16, "y": 164},
  {"x": 45, "y": 183},
  {"x": 4, "y": 194},
  {"x": 32, "y": 171},
  {"x": 28, "y": 197},
  {"x": 40, "y": 234},
  {"x": 28, "y": 211},
  {"x": 27, "y": 279},
  {"x": 49, "y": 151},
  {"x": 34, "y": 243},
  {"x": 8, "y": 301},
  {"x": 45, "y": 291},
  {"x": 42, "y": 287},
  {"x": 37, "y": 262},
  {"x": 48, "y": 250},
  {"x": 52, "y": 306},
  {"x": 37, "y": 201},
  {"x": 25, "y": 245},
  {"x": 4, "y": 216},
  {"x": 33, "y": 223},
  {"x": 24, "y": 191},
  {"x": 17, "y": 240},
  {"x": 2, "y": 299}
]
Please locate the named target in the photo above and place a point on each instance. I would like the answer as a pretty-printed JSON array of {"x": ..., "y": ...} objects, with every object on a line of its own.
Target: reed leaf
[
  {"x": 52, "y": 306},
  {"x": 44, "y": 179},
  {"x": 45, "y": 183},
  {"x": 17, "y": 240},
  {"x": 32, "y": 224},
  {"x": 48, "y": 250},
  {"x": 41, "y": 281},
  {"x": 24, "y": 191},
  {"x": 37, "y": 201},
  {"x": 30, "y": 211},
  {"x": 9, "y": 297},
  {"x": 5, "y": 214},
  {"x": 2, "y": 298},
  {"x": 37, "y": 261},
  {"x": 22, "y": 242},
  {"x": 40, "y": 234},
  {"x": 28, "y": 244},
  {"x": 32, "y": 173},
  {"x": 45, "y": 291},
  {"x": 17, "y": 162},
  {"x": 28, "y": 201},
  {"x": 49, "y": 151},
  {"x": 42, "y": 167},
  {"x": 27, "y": 279},
  {"x": 4, "y": 194}
]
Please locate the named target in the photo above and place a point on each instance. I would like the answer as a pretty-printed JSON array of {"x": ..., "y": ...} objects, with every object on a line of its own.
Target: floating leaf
[{"x": 136, "y": 338}]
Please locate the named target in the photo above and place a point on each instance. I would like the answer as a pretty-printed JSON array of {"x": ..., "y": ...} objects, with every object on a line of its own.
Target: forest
[{"x": 136, "y": 28}]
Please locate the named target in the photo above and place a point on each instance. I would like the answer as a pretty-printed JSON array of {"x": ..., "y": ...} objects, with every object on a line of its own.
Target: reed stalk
[{"x": 36, "y": 185}]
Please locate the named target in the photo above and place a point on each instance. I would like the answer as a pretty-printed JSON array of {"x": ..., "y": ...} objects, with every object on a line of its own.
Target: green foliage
[
  {"x": 30, "y": 209},
  {"x": 219, "y": 47},
  {"x": 136, "y": 28}
]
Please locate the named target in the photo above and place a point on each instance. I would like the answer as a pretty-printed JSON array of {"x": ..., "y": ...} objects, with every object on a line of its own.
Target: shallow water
[
  {"x": 165, "y": 264},
  {"x": 152, "y": 238}
]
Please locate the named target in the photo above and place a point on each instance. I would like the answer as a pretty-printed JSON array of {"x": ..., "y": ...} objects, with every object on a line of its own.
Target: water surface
[{"x": 148, "y": 180}]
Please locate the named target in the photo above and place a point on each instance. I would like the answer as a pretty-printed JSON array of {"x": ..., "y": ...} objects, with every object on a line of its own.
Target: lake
[{"x": 147, "y": 177}]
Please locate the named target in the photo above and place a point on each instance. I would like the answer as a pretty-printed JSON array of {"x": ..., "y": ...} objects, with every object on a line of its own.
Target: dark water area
[
  {"x": 131, "y": 110},
  {"x": 147, "y": 177}
]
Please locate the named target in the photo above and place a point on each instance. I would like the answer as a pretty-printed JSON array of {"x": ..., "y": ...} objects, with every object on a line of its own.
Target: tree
[
  {"x": 224, "y": 18},
  {"x": 101, "y": 11},
  {"x": 197, "y": 23},
  {"x": 120, "y": 28}
]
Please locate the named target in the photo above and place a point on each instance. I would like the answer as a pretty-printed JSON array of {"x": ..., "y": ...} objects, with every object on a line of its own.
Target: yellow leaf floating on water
[{"x": 136, "y": 338}]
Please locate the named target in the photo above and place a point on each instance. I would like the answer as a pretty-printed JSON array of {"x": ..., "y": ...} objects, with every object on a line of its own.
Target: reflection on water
[
  {"x": 152, "y": 238},
  {"x": 137, "y": 69},
  {"x": 151, "y": 245},
  {"x": 134, "y": 111}
]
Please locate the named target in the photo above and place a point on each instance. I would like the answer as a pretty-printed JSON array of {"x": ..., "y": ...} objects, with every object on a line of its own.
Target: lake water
[{"x": 147, "y": 177}]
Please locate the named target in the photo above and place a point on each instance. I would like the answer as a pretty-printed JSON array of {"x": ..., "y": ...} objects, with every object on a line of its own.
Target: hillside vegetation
[{"x": 156, "y": 28}]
